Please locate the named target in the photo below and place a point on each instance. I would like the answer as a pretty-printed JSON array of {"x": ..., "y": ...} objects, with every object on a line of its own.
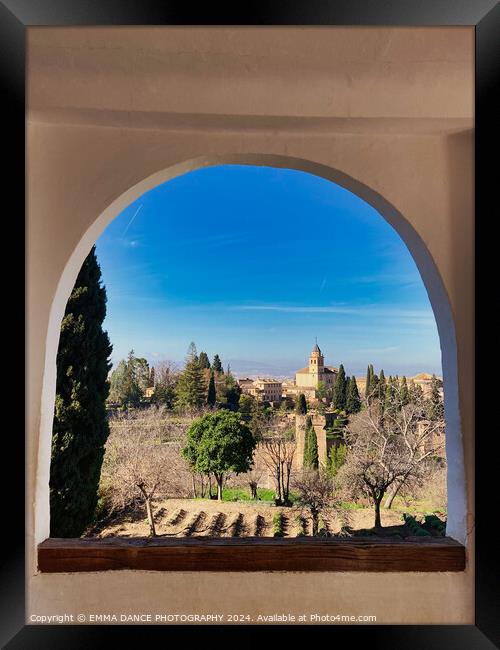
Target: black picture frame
[{"x": 15, "y": 17}]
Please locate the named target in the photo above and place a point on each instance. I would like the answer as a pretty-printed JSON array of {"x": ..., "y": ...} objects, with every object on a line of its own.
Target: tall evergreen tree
[
  {"x": 204, "y": 361},
  {"x": 191, "y": 390},
  {"x": 340, "y": 389},
  {"x": 311, "y": 460},
  {"x": 128, "y": 381},
  {"x": 404, "y": 395},
  {"x": 335, "y": 459},
  {"x": 353, "y": 400},
  {"x": 217, "y": 364},
  {"x": 117, "y": 382},
  {"x": 301, "y": 404},
  {"x": 390, "y": 396},
  {"x": 436, "y": 405},
  {"x": 368, "y": 384},
  {"x": 80, "y": 426},
  {"x": 382, "y": 385},
  {"x": 211, "y": 395}
]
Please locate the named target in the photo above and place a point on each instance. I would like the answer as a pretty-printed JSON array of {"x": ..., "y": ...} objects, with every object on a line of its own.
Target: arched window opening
[{"x": 214, "y": 262}]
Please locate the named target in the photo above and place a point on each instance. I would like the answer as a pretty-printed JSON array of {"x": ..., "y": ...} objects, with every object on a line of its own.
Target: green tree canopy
[
  {"x": 246, "y": 405},
  {"x": 80, "y": 427},
  {"x": 219, "y": 443}
]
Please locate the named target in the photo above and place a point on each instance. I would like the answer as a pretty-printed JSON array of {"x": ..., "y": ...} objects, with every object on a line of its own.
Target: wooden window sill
[{"x": 251, "y": 554}]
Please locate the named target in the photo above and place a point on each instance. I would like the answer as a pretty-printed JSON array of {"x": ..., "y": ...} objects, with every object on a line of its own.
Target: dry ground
[{"x": 188, "y": 517}]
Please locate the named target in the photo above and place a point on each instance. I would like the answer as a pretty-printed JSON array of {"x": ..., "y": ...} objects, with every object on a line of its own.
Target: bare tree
[
  {"x": 138, "y": 465},
  {"x": 253, "y": 477},
  {"x": 317, "y": 497},
  {"x": 278, "y": 447},
  {"x": 386, "y": 449}
]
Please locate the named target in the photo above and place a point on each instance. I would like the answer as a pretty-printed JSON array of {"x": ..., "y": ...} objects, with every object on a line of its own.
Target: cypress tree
[
  {"x": 217, "y": 365},
  {"x": 390, "y": 395},
  {"x": 336, "y": 458},
  {"x": 436, "y": 406},
  {"x": 340, "y": 389},
  {"x": 211, "y": 395},
  {"x": 405, "y": 395},
  {"x": 369, "y": 381},
  {"x": 301, "y": 404},
  {"x": 353, "y": 401},
  {"x": 80, "y": 427},
  {"x": 204, "y": 361},
  {"x": 311, "y": 460},
  {"x": 191, "y": 390},
  {"x": 382, "y": 385}
]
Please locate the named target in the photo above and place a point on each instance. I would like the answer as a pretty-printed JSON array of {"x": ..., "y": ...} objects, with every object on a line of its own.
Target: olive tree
[{"x": 139, "y": 464}]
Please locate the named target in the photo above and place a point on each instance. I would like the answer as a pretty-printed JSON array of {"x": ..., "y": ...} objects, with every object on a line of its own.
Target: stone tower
[{"x": 316, "y": 364}]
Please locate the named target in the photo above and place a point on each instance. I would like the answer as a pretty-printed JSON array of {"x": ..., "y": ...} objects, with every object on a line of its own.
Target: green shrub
[
  {"x": 414, "y": 526},
  {"x": 278, "y": 525},
  {"x": 436, "y": 524},
  {"x": 302, "y": 526}
]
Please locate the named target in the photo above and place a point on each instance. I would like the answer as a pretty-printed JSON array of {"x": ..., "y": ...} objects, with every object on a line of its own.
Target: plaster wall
[{"x": 385, "y": 112}]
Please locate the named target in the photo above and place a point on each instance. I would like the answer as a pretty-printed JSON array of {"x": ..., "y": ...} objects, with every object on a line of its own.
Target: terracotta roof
[{"x": 327, "y": 370}]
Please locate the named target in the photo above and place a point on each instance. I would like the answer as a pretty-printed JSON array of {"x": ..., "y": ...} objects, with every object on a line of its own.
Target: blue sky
[{"x": 253, "y": 263}]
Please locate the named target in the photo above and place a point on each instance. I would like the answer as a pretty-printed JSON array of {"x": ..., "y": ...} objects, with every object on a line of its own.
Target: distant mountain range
[{"x": 286, "y": 369}]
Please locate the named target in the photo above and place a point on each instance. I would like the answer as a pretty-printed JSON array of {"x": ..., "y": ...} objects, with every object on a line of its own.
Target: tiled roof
[{"x": 327, "y": 370}]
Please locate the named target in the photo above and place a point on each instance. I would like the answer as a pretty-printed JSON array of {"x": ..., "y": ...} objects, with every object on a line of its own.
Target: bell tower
[{"x": 316, "y": 364}]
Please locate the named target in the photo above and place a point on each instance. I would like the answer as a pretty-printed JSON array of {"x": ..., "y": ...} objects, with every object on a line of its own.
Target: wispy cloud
[
  {"x": 375, "y": 311},
  {"x": 385, "y": 350},
  {"x": 395, "y": 279}
]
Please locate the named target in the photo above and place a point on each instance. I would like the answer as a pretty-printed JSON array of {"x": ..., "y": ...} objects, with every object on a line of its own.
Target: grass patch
[
  {"x": 240, "y": 494},
  {"x": 349, "y": 505}
]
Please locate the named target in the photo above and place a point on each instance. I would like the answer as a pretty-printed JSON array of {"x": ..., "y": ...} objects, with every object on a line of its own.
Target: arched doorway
[{"x": 423, "y": 260}]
